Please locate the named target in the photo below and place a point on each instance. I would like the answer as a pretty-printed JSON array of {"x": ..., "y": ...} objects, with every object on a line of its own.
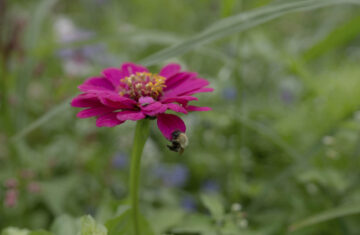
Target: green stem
[{"x": 141, "y": 134}]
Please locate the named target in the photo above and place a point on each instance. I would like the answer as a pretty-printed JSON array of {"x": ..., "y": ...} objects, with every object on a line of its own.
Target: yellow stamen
[{"x": 143, "y": 84}]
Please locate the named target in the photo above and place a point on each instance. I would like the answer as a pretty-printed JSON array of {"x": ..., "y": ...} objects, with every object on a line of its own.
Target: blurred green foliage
[{"x": 282, "y": 143}]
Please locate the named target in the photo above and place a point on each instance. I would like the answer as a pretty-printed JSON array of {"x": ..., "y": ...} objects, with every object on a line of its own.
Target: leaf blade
[{"x": 325, "y": 216}]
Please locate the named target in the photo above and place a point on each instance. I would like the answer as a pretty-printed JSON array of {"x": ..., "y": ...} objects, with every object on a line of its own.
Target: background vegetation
[{"x": 281, "y": 145}]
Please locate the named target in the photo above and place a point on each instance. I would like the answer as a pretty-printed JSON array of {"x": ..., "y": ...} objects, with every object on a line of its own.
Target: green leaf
[
  {"x": 334, "y": 108},
  {"x": 56, "y": 192},
  {"x": 338, "y": 37},
  {"x": 43, "y": 119},
  {"x": 32, "y": 36},
  {"x": 122, "y": 225},
  {"x": 43, "y": 9},
  {"x": 270, "y": 135},
  {"x": 195, "y": 224},
  {"x": 227, "y": 7},
  {"x": 90, "y": 227},
  {"x": 326, "y": 216},
  {"x": 145, "y": 227},
  {"x": 164, "y": 219},
  {"x": 213, "y": 203}
]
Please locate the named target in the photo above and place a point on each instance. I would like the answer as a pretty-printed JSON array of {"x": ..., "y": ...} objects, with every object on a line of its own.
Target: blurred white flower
[
  {"x": 66, "y": 31},
  {"x": 74, "y": 67},
  {"x": 74, "y": 62},
  {"x": 244, "y": 223},
  {"x": 328, "y": 140},
  {"x": 236, "y": 207}
]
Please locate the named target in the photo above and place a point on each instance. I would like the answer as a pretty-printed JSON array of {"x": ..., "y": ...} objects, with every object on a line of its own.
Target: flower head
[
  {"x": 133, "y": 93},
  {"x": 188, "y": 203},
  {"x": 11, "y": 198}
]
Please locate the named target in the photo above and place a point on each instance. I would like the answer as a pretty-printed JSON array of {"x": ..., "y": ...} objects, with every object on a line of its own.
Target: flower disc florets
[{"x": 143, "y": 84}]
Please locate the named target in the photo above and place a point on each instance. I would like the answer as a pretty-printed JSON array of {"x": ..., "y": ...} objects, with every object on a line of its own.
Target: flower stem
[{"x": 141, "y": 134}]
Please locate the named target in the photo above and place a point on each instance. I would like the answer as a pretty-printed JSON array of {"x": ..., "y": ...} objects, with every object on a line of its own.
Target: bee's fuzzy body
[{"x": 179, "y": 141}]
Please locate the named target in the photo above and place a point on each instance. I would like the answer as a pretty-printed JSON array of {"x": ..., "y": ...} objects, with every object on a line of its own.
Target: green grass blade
[
  {"x": 326, "y": 216},
  {"x": 32, "y": 38},
  {"x": 338, "y": 37},
  {"x": 43, "y": 119},
  {"x": 240, "y": 23},
  {"x": 271, "y": 136}
]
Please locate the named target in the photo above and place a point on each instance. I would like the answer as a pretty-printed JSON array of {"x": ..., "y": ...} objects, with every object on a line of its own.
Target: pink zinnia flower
[
  {"x": 133, "y": 93},
  {"x": 11, "y": 198}
]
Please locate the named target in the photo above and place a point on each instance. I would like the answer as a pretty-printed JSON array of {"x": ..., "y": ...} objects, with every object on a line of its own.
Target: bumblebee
[{"x": 179, "y": 141}]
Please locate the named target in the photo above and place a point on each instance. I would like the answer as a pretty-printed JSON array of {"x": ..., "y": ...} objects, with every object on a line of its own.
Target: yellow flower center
[{"x": 143, "y": 84}]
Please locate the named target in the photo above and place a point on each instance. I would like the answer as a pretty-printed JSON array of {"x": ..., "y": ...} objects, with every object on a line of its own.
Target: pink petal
[
  {"x": 113, "y": 75},
  {"x": 170, "y": 70},
  {"x": 179, "y": 99},
  {"x": 177, "y": 108},
  {"x": 168, "y": 123},
  {"x": 113, "y": 99},
  {"x": 154, "y": 109},
  {"x": 130, "y": 115},
  {"x": 99, "y": 82},
  {"x": 130, "y": 68},
  {"x": 116, "y": 101},
  {"x": 96, "y": 84},
  {"x": 200, "y": 90},
  {"x": 96, "y": 111},
  {"x": 186, "y": 87},
  {"x": 146, "y": 100},
  {"x": 85, "y": 100},
  {"x": 196, "y": 108},
  {"x": 108, "y": 120},
  {"x": 178, "y": 79}
]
